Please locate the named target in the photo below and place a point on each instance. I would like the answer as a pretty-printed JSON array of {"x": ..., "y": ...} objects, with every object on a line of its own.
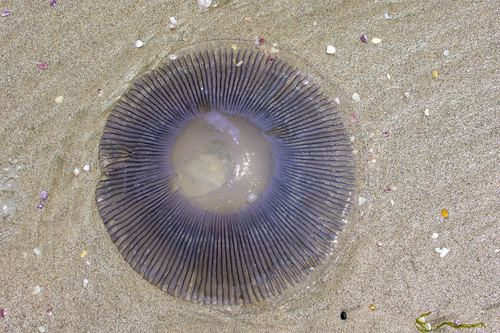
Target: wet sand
[{"x": 447, "y": 159}]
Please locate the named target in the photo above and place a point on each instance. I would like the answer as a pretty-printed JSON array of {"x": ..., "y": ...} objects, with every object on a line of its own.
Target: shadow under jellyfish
[{"x": 227, "y": 176}]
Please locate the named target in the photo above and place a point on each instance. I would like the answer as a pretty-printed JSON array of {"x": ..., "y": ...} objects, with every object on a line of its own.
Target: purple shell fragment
[{"x": 44, "y": 195}]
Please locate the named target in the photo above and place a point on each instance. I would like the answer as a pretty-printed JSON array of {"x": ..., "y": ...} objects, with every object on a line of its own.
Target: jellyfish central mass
[{"x": 220, "y": 160}]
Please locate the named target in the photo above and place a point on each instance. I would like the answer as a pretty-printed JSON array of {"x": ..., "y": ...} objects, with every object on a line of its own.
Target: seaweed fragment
[{"x": 422, "y": 326}]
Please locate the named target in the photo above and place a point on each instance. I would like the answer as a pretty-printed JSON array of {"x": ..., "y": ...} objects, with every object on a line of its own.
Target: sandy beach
[{"x": 425, "y": 230}]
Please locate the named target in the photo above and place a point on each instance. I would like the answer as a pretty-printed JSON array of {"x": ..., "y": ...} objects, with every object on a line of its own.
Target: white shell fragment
[
  {"x": 330, "y": 49},
  {"x": 355, "y": 97},
  {"x": 86, "y": 167},
  {"x": 442, "y": 252},
  {"x": 446, "y": 52},
  {"x": 76, "y": 172},
  {"x": 139, "y": 43},
  {"x": 36, "y": 290},
  {"x": 172, "y": 57},
  {"x": 387, "y": 16},
  {"x": 426, "y": 112},
  {"x": 85, "y": 282},
  {"x": 361, "y": 200},
  {"x": 435, "y": 235},
  {"x": 173, "y": 20},
  {"x": 37, "y": 251},
  {"x": 204, "y": 4},
  {"x": 392, "y": 202},
  {"x": 59, "y": 99},
  {"x": 376, "y": 40},
  {"x": 337, "y": 100}
]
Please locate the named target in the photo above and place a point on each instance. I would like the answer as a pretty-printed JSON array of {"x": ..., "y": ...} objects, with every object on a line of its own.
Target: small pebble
[
  {"x": 445, "y": 213},
  {"x": 426, "y": 112},
  {"x": 446, "y": 52},
  {"x": 53, "y": 3},
  {"x": 355, "y": 97},
  {"x": 408, "y": 94},
  {"x": 234, "y": 47},
  {"x": 99, "y": 92},
  {"x": 48, "y": 312},
  {"x": 251, "y": 198},
  {"x": 364, "y": 38},
  {"x": 86, "y": 167},
  {"x": 337, "y": 100},
  {"x": 204, "y": 4},
  {"x": 330, "y": 49},
  {"x": 41, "y": 329},
  {"x": 85, "y": 282},
  {"x": 3, "y": 313},
  {"x": 171, "y": 26},
  {"x": 36, "y": 290},
  {"x": 239, "y": 63},
  {"x": 385, "y": 134},
  {"x": 435, "y": 74},
  {"x": 274, "y": 50},
  {"x": 41, "y": 65},
  {"x": 343, "y": 315},
  {"x": 139, "y": 43},
  {"x": 83, "y": 254},
  {"x": 352, "y": 138},
  {"x": 40, "y": 206},
  {"x": 248, "y": 19},
  {"x": 496, "y": 250},
  {"x": 76, "y": 172},
  {"x": 43, "y": 195},
  {"x": 59, "y": 99},
  {"x": 373, "y": 159},
  {"x": 379, "y": 244},
  {"x": 387, "y": 190},
  {"x": 435, "y": 235},
  {"x": 6, "y": 13},
  {"x": 37, "y": 251},
  {"x": 376, "y": 40},
  {"x": 372, "y": 307},
  {"x": 361, "y": 200},
  {"x": 387, "y": 16},
  {"x": 353, "y": 118}
]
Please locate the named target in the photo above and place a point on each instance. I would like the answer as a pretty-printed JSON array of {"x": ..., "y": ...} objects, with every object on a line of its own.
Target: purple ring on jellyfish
[{"x": 226, "y": 177}]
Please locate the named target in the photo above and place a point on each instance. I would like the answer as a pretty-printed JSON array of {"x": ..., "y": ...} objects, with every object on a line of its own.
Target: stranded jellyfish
[{"x": 227, "y": 176}]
